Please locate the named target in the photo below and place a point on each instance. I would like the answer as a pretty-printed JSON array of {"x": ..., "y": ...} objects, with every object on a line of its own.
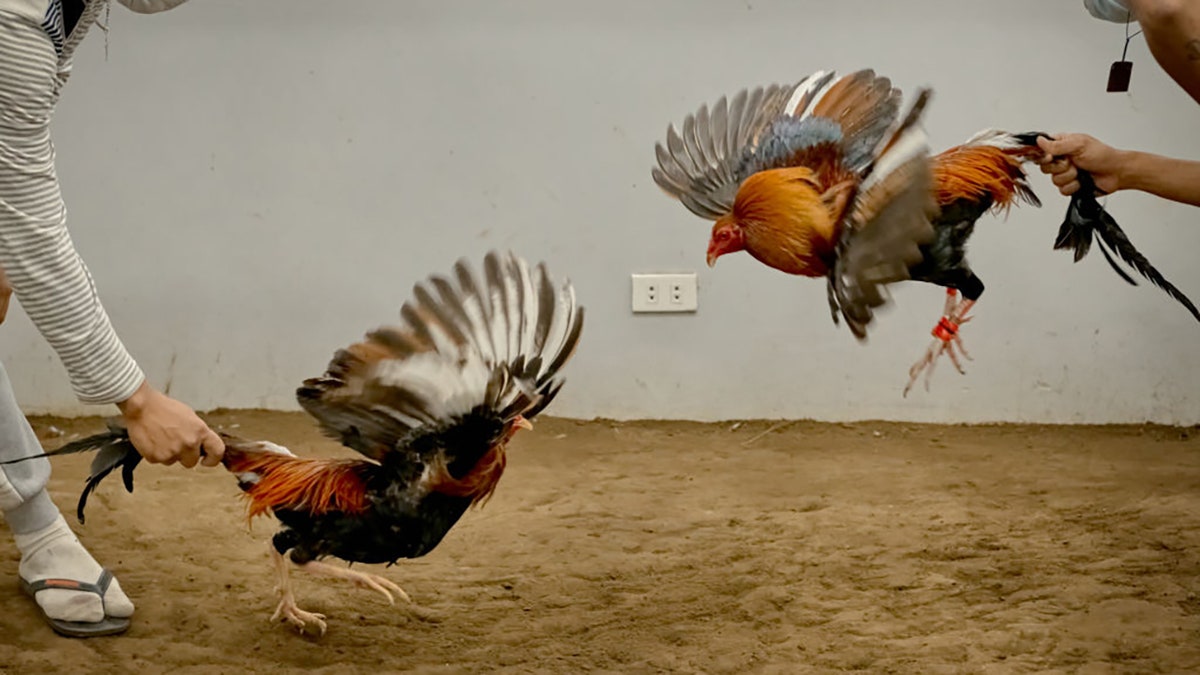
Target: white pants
[{"x": 23, "y": 497}]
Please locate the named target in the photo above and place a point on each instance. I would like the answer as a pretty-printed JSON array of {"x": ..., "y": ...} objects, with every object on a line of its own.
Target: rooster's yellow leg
[
  {"x": 945, "y": 340},
  {"x": 361, "y": 579},
  {"x": 287, "y": 609}
]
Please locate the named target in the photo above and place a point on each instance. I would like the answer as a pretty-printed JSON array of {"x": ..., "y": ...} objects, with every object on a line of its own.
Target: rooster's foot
[
  {"x": 303, "y": 621},
  {"x": 361, "y": 579},
  {"x": 287, "y": 610},
  {"x": 946, "y": 340}
]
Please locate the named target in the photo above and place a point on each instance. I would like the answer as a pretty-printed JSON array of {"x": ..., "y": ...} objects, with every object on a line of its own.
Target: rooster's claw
[
  {"x": 301, "y": 620},
  {"x": 951, "y": 347}
]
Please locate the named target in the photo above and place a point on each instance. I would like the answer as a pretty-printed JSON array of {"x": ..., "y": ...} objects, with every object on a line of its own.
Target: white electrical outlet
[{"x": 664, "y": 292}]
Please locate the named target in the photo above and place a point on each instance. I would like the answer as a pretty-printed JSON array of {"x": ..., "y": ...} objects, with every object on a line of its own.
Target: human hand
[
  {"x": 6, "y": 291},
  {"x": 1068, "y": 153},
  {"x": 166, "y": 431}
]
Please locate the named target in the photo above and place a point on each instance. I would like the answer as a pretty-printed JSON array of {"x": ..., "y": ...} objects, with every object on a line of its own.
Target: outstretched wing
[
  {"x": 703, "y": 165},
  {"x": 888, "y": 222},
  {"x": 470, "y": 356}
]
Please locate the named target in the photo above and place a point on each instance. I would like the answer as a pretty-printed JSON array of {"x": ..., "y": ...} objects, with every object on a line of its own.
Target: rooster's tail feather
[
  {"x": 113, "y": 451},
  {"x": 1086, "y": 220},
  {"x": 987, "y": 169}
]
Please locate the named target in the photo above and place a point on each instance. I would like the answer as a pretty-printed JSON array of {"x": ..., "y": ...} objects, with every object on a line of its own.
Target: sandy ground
[{"x": 675, "y": 547}]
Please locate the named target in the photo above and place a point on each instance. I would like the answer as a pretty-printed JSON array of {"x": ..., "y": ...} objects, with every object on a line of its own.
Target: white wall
[{"x": 256, "y": 183}]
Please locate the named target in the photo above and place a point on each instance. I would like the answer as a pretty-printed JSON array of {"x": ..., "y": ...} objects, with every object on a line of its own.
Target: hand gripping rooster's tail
[
  {"x": 429, "y": 405},
  {"x": 1087, "y": 221}
]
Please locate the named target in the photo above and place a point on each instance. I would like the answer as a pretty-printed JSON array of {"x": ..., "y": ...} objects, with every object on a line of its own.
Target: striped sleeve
[{"x": 48, "y": 276}]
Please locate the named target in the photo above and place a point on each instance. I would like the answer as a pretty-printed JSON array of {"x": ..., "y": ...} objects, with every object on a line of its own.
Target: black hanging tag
[{"x": 1118, "y": 76}]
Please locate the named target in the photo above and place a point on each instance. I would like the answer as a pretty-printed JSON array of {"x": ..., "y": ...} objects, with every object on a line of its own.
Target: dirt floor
[{"x": 677, "y": 547}]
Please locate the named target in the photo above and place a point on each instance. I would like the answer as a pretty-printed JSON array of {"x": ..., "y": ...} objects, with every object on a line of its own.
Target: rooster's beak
[
  {"x": 522, "y": 423},
  {"x": 712, "y": 259}
]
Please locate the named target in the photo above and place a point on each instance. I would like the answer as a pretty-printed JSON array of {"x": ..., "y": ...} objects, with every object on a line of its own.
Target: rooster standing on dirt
[
  {"x": 731, "y": 166},
  {"x": 431, "y": 405}
]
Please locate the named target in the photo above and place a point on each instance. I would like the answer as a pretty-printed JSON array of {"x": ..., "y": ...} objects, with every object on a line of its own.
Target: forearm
[
  {"x": 56, "y": 291},
  {"x": 1167, "y": 177},
  {"x": 47, "y": 274},
  {"x": 1172, "y": 30}
]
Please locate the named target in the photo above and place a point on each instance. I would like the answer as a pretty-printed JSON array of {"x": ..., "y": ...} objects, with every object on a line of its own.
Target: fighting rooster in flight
[
  {"x": 819, "y": 179},
  {"x": 732, "y": 165}
]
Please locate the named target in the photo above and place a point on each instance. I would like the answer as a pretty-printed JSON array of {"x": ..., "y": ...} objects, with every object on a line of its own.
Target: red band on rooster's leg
[
  {"x": 945, "y": 330},
  {"x": 951, "y": 291}
]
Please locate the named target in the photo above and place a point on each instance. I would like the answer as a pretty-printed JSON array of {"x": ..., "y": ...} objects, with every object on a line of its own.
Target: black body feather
[
  {"x": 401, "y": 520},
  {"x": 1087, "y": 220},
  {"x": 944, "y": 261}
]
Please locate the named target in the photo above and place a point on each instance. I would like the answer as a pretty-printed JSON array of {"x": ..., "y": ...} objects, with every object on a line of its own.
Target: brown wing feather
[
  {"x": 468, "y": 347},
  {"x": 825, "y": 162},
  {"x": 895, "y": 221},
  {"x": 854, "y": 99},
  {"x": 888, "y": 223},
  {"x": 865, "y": 105},
  {"x": 341, "y": 396}
]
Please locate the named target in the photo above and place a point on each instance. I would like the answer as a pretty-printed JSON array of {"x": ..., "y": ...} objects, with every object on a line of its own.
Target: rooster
[
  {"x": 431, "y": 406},
  {"x": 730, "y": 166},
  {"x": 820, "y": 179}
]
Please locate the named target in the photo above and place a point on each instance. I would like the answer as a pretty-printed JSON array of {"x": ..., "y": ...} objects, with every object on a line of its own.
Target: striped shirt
[
  {"x": 37, "y": 41},
  {"x": 69, "y": 20},
  {"x": 55, "y": 26}
]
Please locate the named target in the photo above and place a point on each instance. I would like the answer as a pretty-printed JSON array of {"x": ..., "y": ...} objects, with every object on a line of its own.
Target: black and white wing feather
[{"x": 469, "y": 347}]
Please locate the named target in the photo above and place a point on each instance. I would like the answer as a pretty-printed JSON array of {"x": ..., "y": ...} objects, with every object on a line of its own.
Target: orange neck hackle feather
[
  {"x": 479, "y": 483},
  {"x": 978, "y": 172},
  {"x": 787, "y": 224},
  {"x": 315, "y": 486}
]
